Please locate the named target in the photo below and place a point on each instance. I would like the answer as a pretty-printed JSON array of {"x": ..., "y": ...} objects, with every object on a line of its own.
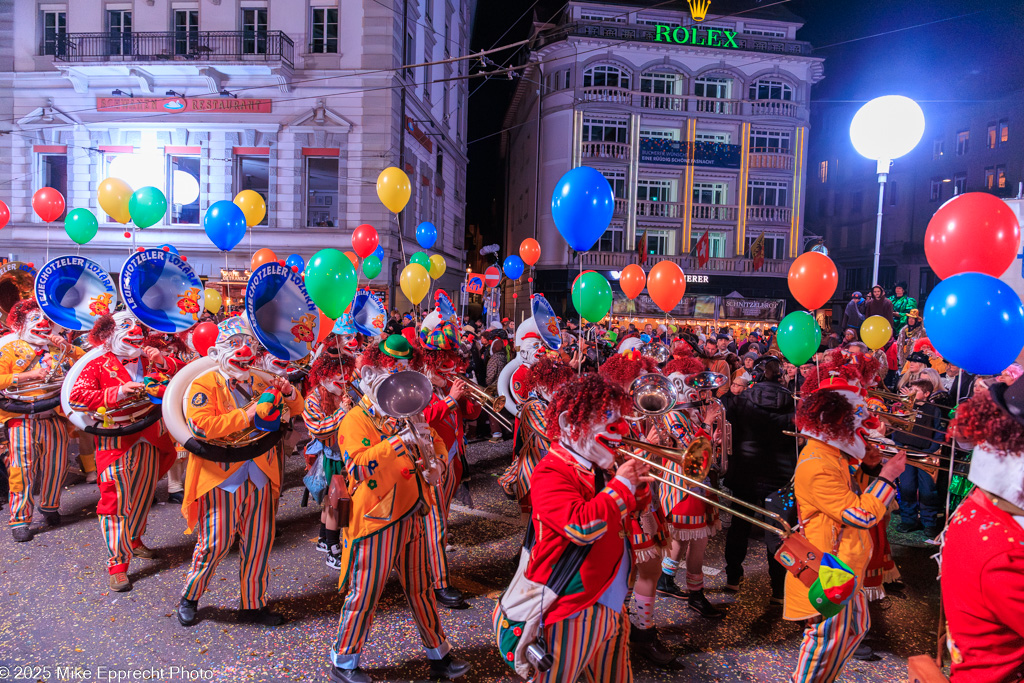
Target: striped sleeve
[
  {"x": 863, "y": 518},
  {"x": 318, "y": 422}
]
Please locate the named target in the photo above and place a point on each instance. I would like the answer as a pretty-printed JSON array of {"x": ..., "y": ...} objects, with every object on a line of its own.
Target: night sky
[{"x": 973, "y": 57}]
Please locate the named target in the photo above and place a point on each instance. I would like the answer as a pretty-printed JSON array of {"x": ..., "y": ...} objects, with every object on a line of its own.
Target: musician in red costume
[
  {"x": 568, "y": 596},
  {"x": 174, "y": 345},
  {"x": 983, "y": 545},
  {"x": 131, "y": 465},
  {"x": 447, "y": 414}
]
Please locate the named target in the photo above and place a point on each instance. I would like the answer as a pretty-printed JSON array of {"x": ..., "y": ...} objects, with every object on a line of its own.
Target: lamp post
[{"x": 884, "y": 129}]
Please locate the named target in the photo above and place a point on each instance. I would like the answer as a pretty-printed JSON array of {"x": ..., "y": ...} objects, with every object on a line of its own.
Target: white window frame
[
  {"x": 934, "y": 189},
  {"x": 960, "y": 183},
  {"x": 664, "y": 190},
  {"x": 169, "y": 215},
  {"x": 60, "y": 31},
  {"x": 938, "y": 148},
  {"x": 715, "y": 193},
  {"x": 259, "y": 30},
  {"x": 718, "y": 136},
  {"x": 781, "y": 138},
  {"x": 963, "y": 142},
  {"x": 670, "y": 83},
  {"x": 588, "y": 15},
  {"x": 717, "y": 242},
  {"x": 783, "y": 90},
  {"x": 780, "y": 188},
  {"x": 613, "y": 239},
  {"x": 324, "y": 24},
  {"x": 663, "y": 238},
  {"x": 622, "y": 77},
  {"x": 603, "y": 123},
  {"x": 774, "y": 245},
  {"x": 239, "y": 180},
  {"x": 307, "y": 198},
  {"x": 617, "y": 179},
  {"x": 990, "y": 177},
  {"x": 41, "y": 181},
  {"x": 660, "y": 133},
  {"x": 767, "y": 32},
  {"x": 1000, "y": 176},
  {"x": 719, "y": 84}
]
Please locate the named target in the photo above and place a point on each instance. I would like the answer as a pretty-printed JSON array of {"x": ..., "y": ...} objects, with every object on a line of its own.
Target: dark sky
[{"x": 942, "y": 55}]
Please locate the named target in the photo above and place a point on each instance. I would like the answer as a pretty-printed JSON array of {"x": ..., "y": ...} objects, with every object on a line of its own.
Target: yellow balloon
[
  {"x": 415, "y": 282},
  {"x": 113, "y": 196},
  {"x": 212, "y": 300},
  {"x": 394, "y": 189},
  {"x": 437, "y": 266},
  {"x": 252, "y": 205},
  {"x": 875, "y": 332}
]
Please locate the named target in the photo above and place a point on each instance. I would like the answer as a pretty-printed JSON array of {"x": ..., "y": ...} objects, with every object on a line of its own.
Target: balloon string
[
  {"x": 47, "y": 241},
  {"x": 952, "y": 446},
  {"x": 579, "y": 331}
]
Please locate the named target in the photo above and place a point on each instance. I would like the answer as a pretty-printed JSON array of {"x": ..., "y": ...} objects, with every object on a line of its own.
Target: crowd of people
[{"x": 621, "y": 439}]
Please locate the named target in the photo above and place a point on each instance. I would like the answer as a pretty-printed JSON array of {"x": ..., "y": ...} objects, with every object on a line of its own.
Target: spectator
[
  {"x": 763, "y": 461},
  {"x": 725, "y": 345},
  {"x": 394, "y": 325},
  {"x": 908, "y": 336},
  {"x": 919, "y": 495},
  {"x": 877, "y": 304},
  {"x": 711, "y": 348},
  {"x": 902, "y": 305},
  {"x": 746, "y": 370},
  {"x": 956, "y": 389},
  {"x": 833, "y": 341},
  {"x": 919, "y": 366},
  {"x": 790, "y": 376},
  {"x": 853, "y": 316},
  {"x": 849, "y": 337},
  {"x": 495, "y": 364}
]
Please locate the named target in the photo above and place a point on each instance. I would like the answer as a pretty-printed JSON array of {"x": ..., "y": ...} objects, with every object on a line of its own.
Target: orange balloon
[
  {"x": 813, "y": 279},
  {"x": 262, "y": 256},
  {"x": 325, "y": 327},
  {"x": 529, "y": 251},
  {"x": 666, "y": 284},
  {"x": 632, "y": 280},
  {"x": 353, "y": 258}
]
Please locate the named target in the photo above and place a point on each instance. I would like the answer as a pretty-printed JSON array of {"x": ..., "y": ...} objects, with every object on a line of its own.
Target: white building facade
[
  {"x": 303, "y": 101},
  {"x": 699, "y": 127}
]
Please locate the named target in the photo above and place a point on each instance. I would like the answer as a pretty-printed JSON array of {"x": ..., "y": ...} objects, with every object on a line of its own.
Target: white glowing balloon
[
  {"x": 186, "y": 188},
  {"x": 138, "y": 170},
  {"x": 887, "y": 127}
]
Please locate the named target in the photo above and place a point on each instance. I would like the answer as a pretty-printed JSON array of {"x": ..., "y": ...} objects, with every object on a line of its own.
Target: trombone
[{"x": 487, "y": 398}]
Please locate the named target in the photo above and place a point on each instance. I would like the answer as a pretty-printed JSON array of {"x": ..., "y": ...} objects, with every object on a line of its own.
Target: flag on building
[
  {"x": 704, "y": 249},
  {"x": 641, "y": 248},
  {"x": 757, "y": 251}
]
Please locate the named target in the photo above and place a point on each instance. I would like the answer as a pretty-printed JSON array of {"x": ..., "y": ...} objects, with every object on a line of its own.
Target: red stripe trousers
[
  {"x": 829, "y": 643},
  {"x": 248, "y": 513},
  {"x": 132, "y": 479},
  {"x": 38, "y": 451},
  {"x": 437, "y": 524},
  {"x": 591, "y": 646}
]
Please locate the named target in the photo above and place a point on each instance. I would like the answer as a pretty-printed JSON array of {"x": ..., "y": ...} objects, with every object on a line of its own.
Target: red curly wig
[
  {"x": 101, "y": 329},
  {"x": 19, "y": 313},
  {"x": 584, "y": 399},
  {"x": 623, "y": 369},
  {"x": 549, "y": 372},
  {"x": 442, "y": 361},
  {"x": 980, "y": 420},
  {"x": 864, "y": 372},
  {"x": 685, "y": 365},
  {"x": 372, "y": 356},
  {"x": 827, "y": 413},
  {"x": 327, "y": 366},
  {"x": 171, "y": 343}
]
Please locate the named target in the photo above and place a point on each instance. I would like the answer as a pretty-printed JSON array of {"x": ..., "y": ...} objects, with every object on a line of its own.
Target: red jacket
[
  {"x": 448, "y": 419},
  {"x": 566, "y": 510},
  {"x": 983, "y": 593}
]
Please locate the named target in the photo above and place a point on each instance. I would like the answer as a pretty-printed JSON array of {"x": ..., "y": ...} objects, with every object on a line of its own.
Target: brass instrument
[
  {"x": 249, "y": 434},
  {"x": 711, "y": 382},
  {"x": 656, "y": 351},
  {"x": 403, "y": 395},
  {"x": 48, "y": 386},
  {"x": 906, "y": 404},
  {"x": 16, "y": 284},
  {"x": 489, "y": 400}
]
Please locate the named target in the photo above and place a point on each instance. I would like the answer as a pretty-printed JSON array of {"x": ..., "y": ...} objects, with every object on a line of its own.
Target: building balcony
[
  {"x": 772, "y": 215},
  {"x": 607, "y": 94},
  {"x": 605, "y": 150},
  {"x": 648, "y": 100},
  {"x": 174, "y": 46},
  {"x": 649, "y": 209},
  {"x": 771, "y": 160},
  {"x": 621, "y": 207},
  {"x": 776, "y": 108},
  {"x": 735, "y": 265},
  {"x": 714, "y": 213}
]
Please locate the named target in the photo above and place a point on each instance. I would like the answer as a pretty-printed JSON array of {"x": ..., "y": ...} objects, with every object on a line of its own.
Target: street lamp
[{"x": 884, "y": 129}]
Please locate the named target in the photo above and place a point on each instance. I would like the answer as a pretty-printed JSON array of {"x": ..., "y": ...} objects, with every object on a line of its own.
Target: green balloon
[
  {"x": 371, "y": 266},
  {"x": 799, "y": 337},
  {"x": 331, "y": 282},
  {"x": 421, "y": 258},
  {"x": 592, "y": 296},
  {"x": 81, "y": 225},
  {"x": 147, "y": 206}
]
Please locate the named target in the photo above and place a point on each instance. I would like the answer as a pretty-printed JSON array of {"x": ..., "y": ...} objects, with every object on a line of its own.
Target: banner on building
[
  {"x": 206, "y": 105},
  {"x": 674, "y": 152},
  {"x": 736, "y": 308},
  {"x": 691, "y": 306}
]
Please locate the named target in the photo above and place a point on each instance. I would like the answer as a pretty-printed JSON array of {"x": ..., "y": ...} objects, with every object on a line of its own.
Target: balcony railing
[
  {"x": 769, "y": 214},
  {"x": 650, "y": 209},
  {"x": 647, "y": 100},
  {"x": 773, "y": 108},
  {"x": 691, "y": 103},
  {"x": 607, "y": 94},
  {"x": 621, "y": 206},
  {"x": 605, "y": 150},
  {"x": 714, "y": 212},
  {"x": 780, "y": 161},
  {"x": 206, "y": 46},
  {"x": 735, "y": 265}
]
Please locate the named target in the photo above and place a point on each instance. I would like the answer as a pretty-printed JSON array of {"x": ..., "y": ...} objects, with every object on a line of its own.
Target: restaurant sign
[
  {"x": 174, "y": 105},
  {"x": 734, "y": 308}
]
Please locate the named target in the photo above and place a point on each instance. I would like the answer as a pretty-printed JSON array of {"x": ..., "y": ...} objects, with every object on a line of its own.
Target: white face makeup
[
  {"x": 234, "y": 355},
  {"x": 599, "y": 440},
  {"x": 36, "y": 329},
  {"x": 371, "y": 378},
  {"x": 531, "y": 351},
  {"x": 127, "y": 338},
  {"x": 271, "y": 364}
]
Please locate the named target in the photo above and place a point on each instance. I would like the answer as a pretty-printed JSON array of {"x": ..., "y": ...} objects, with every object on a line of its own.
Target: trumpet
[
  {"x": 711, "y": 382},
  {"x": 489, "y": 400},
  {"x": 656, "y": 351}
]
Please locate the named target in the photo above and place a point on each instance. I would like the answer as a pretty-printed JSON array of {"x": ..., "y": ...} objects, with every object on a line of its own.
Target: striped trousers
[
  {"x": 248, "y": 513},
  {"x": 437, "y": 524},
  {"x": 591, "y": 646},
  {"x": 132, "y": 479},
  {"x": 404, "y": 547},
  {"x": 38, "y": 450},
  {"x": 829, "y": 643}
]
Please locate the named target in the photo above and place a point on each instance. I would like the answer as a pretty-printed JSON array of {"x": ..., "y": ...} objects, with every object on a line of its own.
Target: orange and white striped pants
[
  {"x": 437, "y": 523},
  {"x": 38, "y": 449},
  {"x": 132, "y": 478},
  {"x": 248, "y": 513},
  {"x": 829, "y": 643},
  {"x": 402, "y": 546}
]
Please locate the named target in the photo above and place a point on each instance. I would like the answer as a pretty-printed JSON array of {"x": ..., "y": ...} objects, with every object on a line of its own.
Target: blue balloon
[
  {"x": 975, "y": 321},
  {"x": 224, "y": 223},
  {"x": 582, "y": 207},
  {"x": 170, "y": 248},
  {"x": 645, "y": 338},
  {"x": 513, "y": 267},
  {"x": 426, "y": 234},
  {"x": 379, "y": 253},
  {"x": 296, "y": 261}
]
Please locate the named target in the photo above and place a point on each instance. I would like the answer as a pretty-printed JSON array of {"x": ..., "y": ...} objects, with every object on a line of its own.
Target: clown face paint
[
  {"x": 599, "y": 440},
  {"x": 863, "y": 422},
  {"x": 127, "y": 338},
  {"x": 36, "y": 329},
  {"x": 372, "y": 378},
  {"x": 269, "y": 363},
  {"x": 531, "y": 351},
  {"x": 234, "y": 355}
]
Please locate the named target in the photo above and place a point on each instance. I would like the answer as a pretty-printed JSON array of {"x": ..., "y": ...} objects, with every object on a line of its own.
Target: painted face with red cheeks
[
  {"x": 36, "y": 329},
  {"x": 599, "y": 440},
  {"x": 128, "y": 337}
]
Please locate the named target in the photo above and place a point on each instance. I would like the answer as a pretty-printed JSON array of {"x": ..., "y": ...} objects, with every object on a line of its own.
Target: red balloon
[
  {"x": 262, "y": 256},
  {"x": 813, "y": 279},
  {"x": 324, "y": 327},
  {"x": 204, "y": 336},
  {"x": 972, "y": 232},
  {"x": 632, "y": 279},
  {"x": 666, "y": 284},
  {"x": 5, "y": 214},
  {"x": 364, "y": 240},
  {"x": 529, "y": 251},
  {"x": 48, "y": 204}
]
